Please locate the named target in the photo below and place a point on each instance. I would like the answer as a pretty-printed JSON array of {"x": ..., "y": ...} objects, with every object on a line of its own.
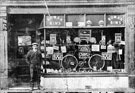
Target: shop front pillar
[
  {"x": 3, "y": 48},
  {"x": 131, "y": 45}
]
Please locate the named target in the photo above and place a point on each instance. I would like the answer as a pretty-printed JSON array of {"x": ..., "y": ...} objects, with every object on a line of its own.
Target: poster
[
  {"x": 24, "y": 40},
  {"x": 118, "y": 37},
  {"x": 53, "y": 39}
]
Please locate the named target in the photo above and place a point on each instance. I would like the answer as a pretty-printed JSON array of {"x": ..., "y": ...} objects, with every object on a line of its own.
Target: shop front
[
  {"x": 84, "y": 51},
  {"x": 85, "y": 46}
]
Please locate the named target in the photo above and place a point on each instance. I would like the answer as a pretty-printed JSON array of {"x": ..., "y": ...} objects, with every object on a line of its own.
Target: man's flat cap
[{"x": 34, "y": 44}]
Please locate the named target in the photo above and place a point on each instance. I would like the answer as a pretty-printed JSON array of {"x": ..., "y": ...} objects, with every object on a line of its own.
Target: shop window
[
  {"x": 84, "y": 50},
  {"x": 95, "y": 20},
  {"x": 75, "y": 20}
]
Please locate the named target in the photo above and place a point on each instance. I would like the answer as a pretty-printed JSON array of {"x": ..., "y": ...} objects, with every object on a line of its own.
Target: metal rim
[
  {"x": 70, "y": 56},
  {"x": 92, "y": 57}
]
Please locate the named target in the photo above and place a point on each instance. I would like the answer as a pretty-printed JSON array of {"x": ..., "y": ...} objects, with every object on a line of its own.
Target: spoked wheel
[
  {"x": 96, "y": 61},
  {"x": 69, "y": 62}
]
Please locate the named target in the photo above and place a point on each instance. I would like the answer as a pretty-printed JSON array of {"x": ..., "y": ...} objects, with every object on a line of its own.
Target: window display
[{"x": 84, "y": 50}]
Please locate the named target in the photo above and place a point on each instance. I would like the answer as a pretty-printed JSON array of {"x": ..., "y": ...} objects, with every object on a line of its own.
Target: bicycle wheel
[
  {"x": 97, "y": 61},
  {"x": 69, "y": 62}
]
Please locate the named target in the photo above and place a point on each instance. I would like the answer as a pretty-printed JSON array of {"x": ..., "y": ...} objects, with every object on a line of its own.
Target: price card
[
  {"x": 69, "y": 24},
  {"x": 49, "y": 50},
  {"x": 95, "y": 48},
  {"x": 56, "y": 47},
  {"x": 81, "y": 24},
  {"x": 63, "y": 49},
  {"x": 120, "y": 51},
  {"x": 103, "y": 47}
]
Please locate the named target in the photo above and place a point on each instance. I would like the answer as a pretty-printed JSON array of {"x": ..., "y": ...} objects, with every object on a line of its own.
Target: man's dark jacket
[{"x": 34, "y": 58}]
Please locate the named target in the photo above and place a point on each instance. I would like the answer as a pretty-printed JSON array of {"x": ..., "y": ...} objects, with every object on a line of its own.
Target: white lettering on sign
[
  {"x": 115, "y": 19},
  {"x": 55, "y": 21}
]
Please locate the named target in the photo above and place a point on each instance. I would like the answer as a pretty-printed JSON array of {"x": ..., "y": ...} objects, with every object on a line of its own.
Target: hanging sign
[{"x": 54, "y": 20}]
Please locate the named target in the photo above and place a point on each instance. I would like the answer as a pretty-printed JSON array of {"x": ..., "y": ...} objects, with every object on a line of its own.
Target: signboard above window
[
  {"x": 85, "y": 20},
  {"x": 115, "y": 20},
  {"x": 55, "y": 20}
]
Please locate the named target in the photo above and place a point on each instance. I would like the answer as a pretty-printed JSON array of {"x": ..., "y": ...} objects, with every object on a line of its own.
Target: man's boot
[
  {"x": 38, "y": 85},
  {"x": 32, "y": 86}
]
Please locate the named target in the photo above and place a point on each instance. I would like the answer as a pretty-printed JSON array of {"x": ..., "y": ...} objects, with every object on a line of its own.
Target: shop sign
[
  {"x": 55, "y": 20},
  {"x": 115, "y": 20}
]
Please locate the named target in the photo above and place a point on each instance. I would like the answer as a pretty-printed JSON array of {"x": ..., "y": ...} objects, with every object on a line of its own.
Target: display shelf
[
  {"x": 49, "y": 27},
  {"x": 85, "y": 74}
]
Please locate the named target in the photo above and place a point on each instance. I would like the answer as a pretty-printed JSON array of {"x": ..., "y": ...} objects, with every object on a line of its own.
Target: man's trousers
[{"x": 35, "y": 73}]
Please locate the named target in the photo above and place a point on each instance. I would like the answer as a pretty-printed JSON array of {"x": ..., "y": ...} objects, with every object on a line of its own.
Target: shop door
[{"x": 3, "y": 59}]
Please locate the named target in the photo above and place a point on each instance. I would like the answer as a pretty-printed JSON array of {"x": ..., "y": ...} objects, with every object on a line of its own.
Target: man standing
[{"x": 34, "y": 59}]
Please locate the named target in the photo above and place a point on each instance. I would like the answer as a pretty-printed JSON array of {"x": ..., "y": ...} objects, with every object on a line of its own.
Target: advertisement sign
[
  {"x": 107, "y": 56},
  {"x": 118, "y": 37},
  {"x": 57, "y": 56},
  {"x": 84, "y": 51},
  {"x": 52, "y": 39},
  {"x": 55, "y": 20},
  {"x": 24, "y": 40}
]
